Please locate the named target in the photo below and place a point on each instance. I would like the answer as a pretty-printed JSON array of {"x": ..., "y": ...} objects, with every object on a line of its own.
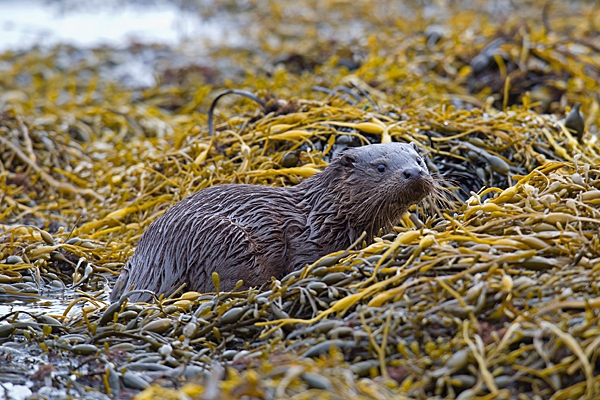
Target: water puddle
[{"x": 11, "y": 304}]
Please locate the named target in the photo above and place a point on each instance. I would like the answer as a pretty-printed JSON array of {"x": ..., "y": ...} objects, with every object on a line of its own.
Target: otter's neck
[{"x": 338, "y": 211}]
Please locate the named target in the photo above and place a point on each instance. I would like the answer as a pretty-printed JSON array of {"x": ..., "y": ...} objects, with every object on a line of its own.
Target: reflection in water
[{"x": 11, "y": 303}]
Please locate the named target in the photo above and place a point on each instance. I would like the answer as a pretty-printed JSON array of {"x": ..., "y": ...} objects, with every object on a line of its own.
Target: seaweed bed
[{"x": 492, "y": 293}]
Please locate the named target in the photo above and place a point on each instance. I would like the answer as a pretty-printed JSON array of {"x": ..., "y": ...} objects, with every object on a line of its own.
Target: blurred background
[
  {"x": 297, "y": 34},
  {"x": 143, "y": 43},
  {"x": 149, "y": 42}
]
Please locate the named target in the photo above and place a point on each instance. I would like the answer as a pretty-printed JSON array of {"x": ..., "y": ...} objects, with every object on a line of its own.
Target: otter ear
[
  {"x": 347, "y": 158},
  {"x": 414, "y": 146}
]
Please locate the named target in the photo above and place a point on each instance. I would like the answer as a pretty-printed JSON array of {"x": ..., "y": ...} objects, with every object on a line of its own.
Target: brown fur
[{"x": 253, "y": 232}]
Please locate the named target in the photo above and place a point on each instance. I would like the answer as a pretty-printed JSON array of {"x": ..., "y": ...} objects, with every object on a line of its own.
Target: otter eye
[
  {"x": 381, "y": 168},
  {"x": 419, "y": 160}
]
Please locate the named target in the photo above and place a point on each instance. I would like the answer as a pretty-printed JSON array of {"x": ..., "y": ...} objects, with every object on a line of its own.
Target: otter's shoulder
[
  {"x": 233, "y": 191},
  {"x": 231, "y": 199}
]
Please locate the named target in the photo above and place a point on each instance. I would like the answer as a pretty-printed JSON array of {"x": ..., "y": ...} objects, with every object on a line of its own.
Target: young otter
[{"x": 253, "y": 232}]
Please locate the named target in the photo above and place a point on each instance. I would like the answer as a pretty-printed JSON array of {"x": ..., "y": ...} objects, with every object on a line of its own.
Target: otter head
[
  {"x": 382, "y": 181},
  {"x": 391, "y": 172}
]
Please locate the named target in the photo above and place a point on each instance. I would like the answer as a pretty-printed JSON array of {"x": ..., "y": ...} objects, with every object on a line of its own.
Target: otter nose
[{"x": 411, "y": 173}]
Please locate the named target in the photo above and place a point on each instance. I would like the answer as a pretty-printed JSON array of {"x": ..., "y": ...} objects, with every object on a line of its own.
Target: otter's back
[{"x": 225, "y": 228}]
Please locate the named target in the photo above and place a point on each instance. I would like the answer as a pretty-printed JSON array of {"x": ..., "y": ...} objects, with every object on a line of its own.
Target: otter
[{"x": 254, "y": 232}]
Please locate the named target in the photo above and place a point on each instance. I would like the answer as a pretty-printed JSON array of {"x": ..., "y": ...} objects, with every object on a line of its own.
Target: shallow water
[
  {"x": 46, "y": 304},
  {"x": 20, "y": 360},
  {"x": 145, "y": 37},
  {"x": 27, "y": 23}
]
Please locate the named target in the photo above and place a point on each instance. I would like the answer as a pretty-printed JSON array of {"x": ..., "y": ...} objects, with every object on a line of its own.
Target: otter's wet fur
[{"x": 253, "y": 232}]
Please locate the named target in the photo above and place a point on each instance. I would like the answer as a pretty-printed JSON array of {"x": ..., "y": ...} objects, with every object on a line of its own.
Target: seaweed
[{"x": 489, "y": 291}]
